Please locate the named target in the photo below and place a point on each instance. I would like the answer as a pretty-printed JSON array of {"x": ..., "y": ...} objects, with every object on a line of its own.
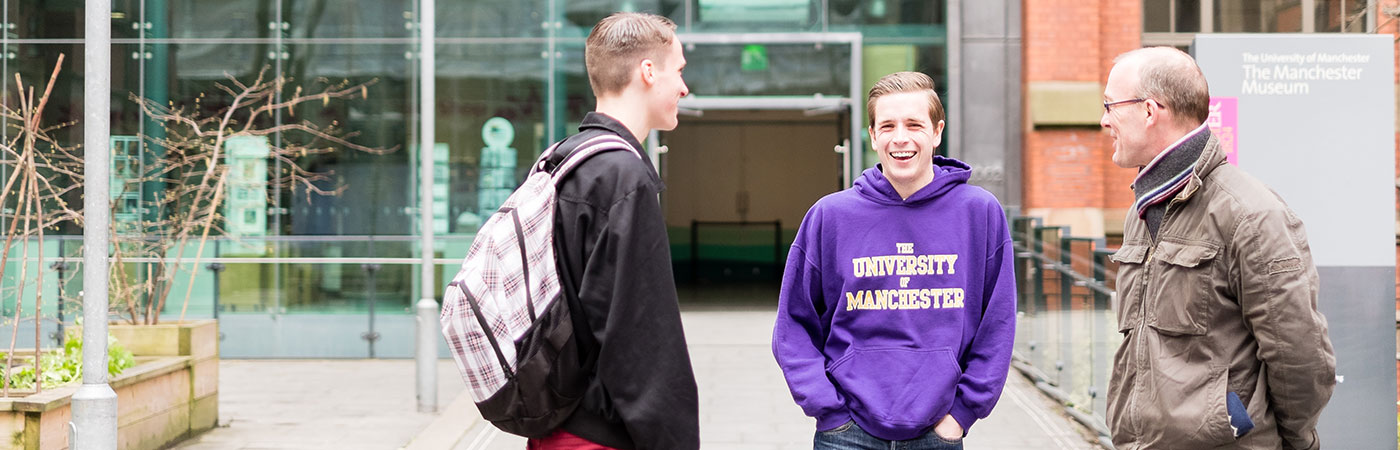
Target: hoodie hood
[{"x": 948, "y": 173}]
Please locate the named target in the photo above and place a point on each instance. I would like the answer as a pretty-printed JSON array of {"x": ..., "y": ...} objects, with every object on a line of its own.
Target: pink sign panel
[{"x": 1224, "y": 124}]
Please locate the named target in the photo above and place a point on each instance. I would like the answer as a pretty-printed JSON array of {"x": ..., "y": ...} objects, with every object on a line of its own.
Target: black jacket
[{"x": 615, "y": 268}]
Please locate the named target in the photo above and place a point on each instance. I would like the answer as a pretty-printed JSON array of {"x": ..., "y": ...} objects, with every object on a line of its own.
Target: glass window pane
[
  {"x": 1347, "y": 16},
  {"x": 578, "y": 93},
  {"x": 38, "y": 19},
  {"x": 34, "y": 63},
  {"x": 1156, "y": 16},
  {"x": 344, "y": 288},
  {"x": 1254, "y": 16},
  {"x": 1188, "y": 16},
  {"x": 581, "y": 15},
  {"x": 221, "y": 18},
  {"x": 191, "y": 81},
  {"x": 755, "y": 15},
  {"x": 785, "y": 69},
  {"x": 491, "y": 102},
  {"x": 886, "y": 12},
  {"x": 375, "y": 187},
  {"x": 381, "y": 18},
  {"x": 492, "y": 18},
  {"x": 197, "y": 66},
  {"x": 245, "y": 288},
  {"x": 1234, "y": 16},
  {"x": 350, "y": 191}
]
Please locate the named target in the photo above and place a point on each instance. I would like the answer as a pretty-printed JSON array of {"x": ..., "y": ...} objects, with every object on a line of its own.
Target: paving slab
[{"x": 744, "y": 402}]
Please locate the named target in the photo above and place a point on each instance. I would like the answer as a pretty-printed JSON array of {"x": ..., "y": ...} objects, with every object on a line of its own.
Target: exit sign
[{"x": 754, "y": 58}]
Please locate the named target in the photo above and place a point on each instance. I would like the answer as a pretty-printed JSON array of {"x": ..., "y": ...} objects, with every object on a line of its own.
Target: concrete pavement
[
  {"x": 320, "y": 404},
  {"x": 745, "y": 404}
]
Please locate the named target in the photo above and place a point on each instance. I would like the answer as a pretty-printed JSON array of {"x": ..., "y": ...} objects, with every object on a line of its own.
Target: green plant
[{"x": 65, "y": 365}]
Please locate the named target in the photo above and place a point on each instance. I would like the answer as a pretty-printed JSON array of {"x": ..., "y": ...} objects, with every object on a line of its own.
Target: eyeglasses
[{"x": 1108, "y": 106}]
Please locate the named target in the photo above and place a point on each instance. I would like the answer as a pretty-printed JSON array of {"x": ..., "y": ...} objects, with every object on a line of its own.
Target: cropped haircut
[
  {"x": 619, "y": 42},
  {"x": 1171, "y": 77},
  {"x": 900, "y": 82}
]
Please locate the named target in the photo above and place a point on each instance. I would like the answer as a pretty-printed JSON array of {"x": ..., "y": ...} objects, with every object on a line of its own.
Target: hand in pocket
[{"x": 948, "y": 429}]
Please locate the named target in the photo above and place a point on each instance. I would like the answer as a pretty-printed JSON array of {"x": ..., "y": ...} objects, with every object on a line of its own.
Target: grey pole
[
  {"x": 94, "y": 425},
  {"x": 427, "y": 307},
  {"x": 855, "y": 151}
]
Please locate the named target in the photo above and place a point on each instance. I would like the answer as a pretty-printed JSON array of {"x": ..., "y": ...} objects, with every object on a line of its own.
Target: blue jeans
[{"x": 851, "y": 437}]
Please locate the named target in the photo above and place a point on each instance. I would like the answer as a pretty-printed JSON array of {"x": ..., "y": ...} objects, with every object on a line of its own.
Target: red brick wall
[
  {"x": 1066, "y": 163},
  {"x": 1121, "y": 32},
  {"x": 1075, "y": 40}
]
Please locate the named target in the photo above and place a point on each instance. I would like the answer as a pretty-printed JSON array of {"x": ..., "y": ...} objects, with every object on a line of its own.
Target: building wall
[
  {"x": 984, "y": 41},
  {"x": 1069, "y": 178}
]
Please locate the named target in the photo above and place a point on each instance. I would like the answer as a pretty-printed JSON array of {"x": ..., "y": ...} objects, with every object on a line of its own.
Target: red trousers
[{"x": 563, "y": 440}]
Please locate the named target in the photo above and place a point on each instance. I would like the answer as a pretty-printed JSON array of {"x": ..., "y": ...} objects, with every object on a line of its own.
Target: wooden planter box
[{"x": 171, "y": 394}]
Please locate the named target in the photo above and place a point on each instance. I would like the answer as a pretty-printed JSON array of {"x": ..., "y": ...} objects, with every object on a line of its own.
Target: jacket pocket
[
  {"x": 897, "y": 385},
  {"x": 1189, "y": 410},
  {"x": 1128, "y": 299},
  {"x": 1182, "y": 288}
]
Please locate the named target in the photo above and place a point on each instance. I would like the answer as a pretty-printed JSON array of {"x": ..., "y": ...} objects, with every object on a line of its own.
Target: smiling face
[
  {"x": 667, "y": 87},
  {"x": 1126, "y": 122},
  {"x": 905, "y": 137}
]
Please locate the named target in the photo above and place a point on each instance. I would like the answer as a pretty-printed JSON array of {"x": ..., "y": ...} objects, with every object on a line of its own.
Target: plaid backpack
[{"x": 503, "y": 316}]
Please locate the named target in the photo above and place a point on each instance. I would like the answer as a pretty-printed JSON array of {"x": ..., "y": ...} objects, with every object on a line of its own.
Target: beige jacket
[{"x": 1225, "y": 300}]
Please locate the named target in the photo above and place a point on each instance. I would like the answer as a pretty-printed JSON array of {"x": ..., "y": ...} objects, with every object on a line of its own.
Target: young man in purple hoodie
[{"x": 898, "y": 311}]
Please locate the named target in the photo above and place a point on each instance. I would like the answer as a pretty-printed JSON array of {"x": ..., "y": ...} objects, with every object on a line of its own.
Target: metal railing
[
  {"x": 358, "y": 283},
  {"x": 1066, "y": 331},
  {"x": 696, "y": 259}
]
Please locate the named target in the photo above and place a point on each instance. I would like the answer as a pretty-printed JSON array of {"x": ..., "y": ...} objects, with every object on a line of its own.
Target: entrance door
[{"x": 738, "y": 184}]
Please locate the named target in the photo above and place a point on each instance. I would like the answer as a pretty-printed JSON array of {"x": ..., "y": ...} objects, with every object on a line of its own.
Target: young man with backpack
[{"x": 613, "y": 256}]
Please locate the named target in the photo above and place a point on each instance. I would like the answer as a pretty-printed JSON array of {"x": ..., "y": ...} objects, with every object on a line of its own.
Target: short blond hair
[
  {"x": 619, "y": 42},
  {"x": 899, "y": 82}
]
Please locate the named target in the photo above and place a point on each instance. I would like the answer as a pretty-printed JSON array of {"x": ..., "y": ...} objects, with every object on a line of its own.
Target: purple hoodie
[{"x": 895, "y": 313}]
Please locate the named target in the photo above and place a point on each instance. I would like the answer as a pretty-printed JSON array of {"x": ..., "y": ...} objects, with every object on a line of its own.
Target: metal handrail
[{"x": 1049, "y": 263}]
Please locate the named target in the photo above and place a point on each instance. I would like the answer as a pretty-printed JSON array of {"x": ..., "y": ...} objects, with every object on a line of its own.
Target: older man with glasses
[{"x": 1223, "y": 346}]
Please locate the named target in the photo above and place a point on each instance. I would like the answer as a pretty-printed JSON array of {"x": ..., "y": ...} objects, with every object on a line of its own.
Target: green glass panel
[
  {"x": 492, "y": 18},
  {"x": 481, "y": 86},
  {"x": 791, "y": 69},
  {"x": 219, "y": 19},
  {"x": 64, "y": 19},
  {"x": 874, "y": 13},
  {"x": 579, "y": 16},
  {"x": 333, "y": 19}
]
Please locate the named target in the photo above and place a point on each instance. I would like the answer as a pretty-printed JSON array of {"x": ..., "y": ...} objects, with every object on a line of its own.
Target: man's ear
[
  {"x": 1153, "y": 111},
  {"x": 648, "y": 72}
]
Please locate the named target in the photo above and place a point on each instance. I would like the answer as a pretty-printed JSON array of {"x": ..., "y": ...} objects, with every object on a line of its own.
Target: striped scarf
[{"x": 1166, "y": 175}]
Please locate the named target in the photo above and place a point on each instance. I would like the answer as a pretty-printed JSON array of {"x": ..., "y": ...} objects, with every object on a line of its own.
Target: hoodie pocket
[{"x": 897, "y": 385}]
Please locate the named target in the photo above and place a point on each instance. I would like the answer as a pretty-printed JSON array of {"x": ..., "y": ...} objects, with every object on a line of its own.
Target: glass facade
[
  {"x": 1254, "y": 16},
  {"x": 515, "y": 66},
  {"x": 1175, "y": 22}
]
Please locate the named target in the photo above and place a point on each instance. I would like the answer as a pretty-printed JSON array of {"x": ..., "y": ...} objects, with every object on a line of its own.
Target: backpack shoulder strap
[
  {"x": 543, "y": 160},
  {"x": 599, "y": 144}
]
